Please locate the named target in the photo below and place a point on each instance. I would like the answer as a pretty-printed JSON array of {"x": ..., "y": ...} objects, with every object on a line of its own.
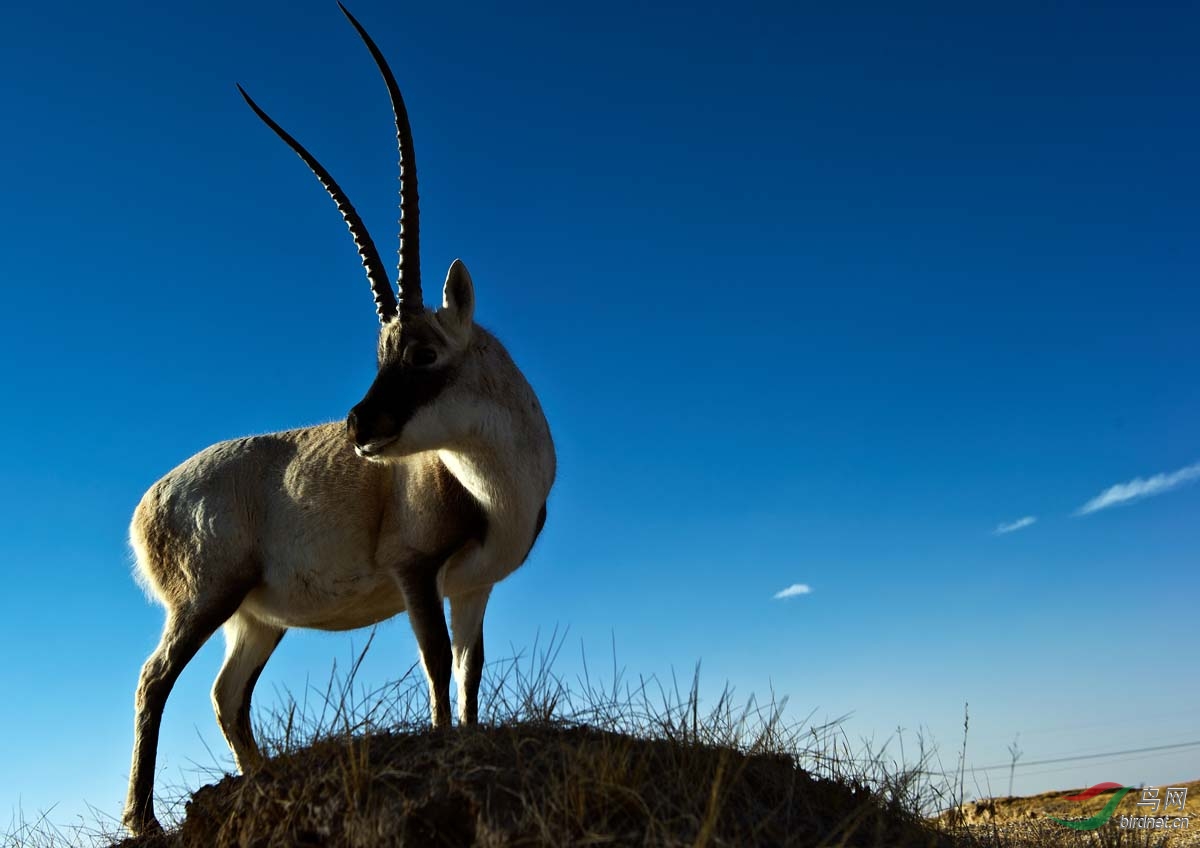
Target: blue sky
[{"x": 810, "y": 295}]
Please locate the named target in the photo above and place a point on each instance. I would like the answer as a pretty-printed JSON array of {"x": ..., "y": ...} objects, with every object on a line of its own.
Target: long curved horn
[
  {"x": 408, "y": 270},
  {"x": 385, "y": 299}
]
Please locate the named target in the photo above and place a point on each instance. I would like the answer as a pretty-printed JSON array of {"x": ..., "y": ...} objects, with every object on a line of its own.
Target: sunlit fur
[{"x": 299, "y": 529}]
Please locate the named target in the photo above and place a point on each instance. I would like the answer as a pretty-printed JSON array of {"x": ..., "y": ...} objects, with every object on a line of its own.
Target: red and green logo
[{"x": 1104, "y": 815}]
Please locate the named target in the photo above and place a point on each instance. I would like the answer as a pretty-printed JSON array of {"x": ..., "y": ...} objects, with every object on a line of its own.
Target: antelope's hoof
[{"x": 142, "y": 826}]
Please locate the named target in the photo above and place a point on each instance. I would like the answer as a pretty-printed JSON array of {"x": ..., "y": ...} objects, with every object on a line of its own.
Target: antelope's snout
[{"x": 370, "y": 429}]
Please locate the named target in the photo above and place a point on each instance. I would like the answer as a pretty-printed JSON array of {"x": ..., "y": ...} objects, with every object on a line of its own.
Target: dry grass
[
  {"x": 1006, "y": 809},
  {"x": 1025, "y": 821},
  {"x": 629, "y": 762}
]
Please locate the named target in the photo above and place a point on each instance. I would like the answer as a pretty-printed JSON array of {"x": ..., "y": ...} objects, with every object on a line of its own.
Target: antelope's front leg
[
  {"x": 466, "y": 625},
  {"x": 424, "y": 604}
]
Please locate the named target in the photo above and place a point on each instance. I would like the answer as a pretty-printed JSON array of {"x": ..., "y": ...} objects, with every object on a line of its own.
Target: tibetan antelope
[{"x": 434, "y": 487}]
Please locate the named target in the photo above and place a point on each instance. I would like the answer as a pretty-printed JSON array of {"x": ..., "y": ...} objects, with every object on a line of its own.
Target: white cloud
[
  {"x": 1139, "y": 488},
  {"x": 1019, "y": 524},
  {"x": 793, "y": 590}
]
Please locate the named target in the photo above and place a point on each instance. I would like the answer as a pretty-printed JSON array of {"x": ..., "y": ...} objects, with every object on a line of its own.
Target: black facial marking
[
  {"x": 411, "y": 375},
  {"x": 398, "y": 392}
]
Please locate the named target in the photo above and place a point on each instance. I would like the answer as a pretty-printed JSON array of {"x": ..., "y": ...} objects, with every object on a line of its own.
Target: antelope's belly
[{"x": 327, "y": 601}]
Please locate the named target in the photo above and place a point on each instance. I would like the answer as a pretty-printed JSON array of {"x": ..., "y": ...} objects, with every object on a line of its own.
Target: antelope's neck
[{"x": 511, "y": 482}]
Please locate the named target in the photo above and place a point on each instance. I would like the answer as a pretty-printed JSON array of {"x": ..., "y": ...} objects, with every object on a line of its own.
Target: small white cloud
[
  {"x": 1019, "y": 524},
  {"x": 793, "y": 590},
  {"x": 1139, "y": 488}
]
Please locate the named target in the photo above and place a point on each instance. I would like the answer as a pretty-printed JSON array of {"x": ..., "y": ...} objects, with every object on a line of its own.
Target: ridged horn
[
  {"x": 385, "y": 299},
  {"x": 408, "y": 270}
]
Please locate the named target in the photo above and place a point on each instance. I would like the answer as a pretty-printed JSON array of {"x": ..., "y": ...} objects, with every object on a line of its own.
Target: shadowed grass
[{"x": 618, "y": 761}]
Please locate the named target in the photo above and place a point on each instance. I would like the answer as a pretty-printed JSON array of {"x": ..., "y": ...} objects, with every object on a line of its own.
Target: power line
[
  {"x": 1067, "y": 728},
  {"x": 1072, "y": 768},
  {"x": 1080, "y": 757}
]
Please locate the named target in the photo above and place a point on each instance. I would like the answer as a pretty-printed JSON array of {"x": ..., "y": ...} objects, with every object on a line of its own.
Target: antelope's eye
[{"x": 424, "y": 356}]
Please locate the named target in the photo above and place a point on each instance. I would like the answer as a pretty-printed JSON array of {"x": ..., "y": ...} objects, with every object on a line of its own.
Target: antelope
[{"x": 434, "y": 488}]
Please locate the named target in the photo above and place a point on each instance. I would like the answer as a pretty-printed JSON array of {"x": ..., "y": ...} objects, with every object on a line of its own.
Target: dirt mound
[
  {"x": 1046, "y": 804},
  {"x": 1030, "y": 821},
  {"x": 535, "y": 785}
]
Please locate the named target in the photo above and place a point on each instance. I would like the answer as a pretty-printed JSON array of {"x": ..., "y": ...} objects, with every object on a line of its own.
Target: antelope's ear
[{"x": 458, "y": 301}]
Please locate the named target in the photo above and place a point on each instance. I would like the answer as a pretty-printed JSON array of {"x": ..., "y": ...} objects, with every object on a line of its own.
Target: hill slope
[{"x": 536, "y": 784}]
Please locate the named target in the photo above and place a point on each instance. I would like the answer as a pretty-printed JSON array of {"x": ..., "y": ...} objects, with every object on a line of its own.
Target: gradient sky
[{"x": 811, "y": 295}]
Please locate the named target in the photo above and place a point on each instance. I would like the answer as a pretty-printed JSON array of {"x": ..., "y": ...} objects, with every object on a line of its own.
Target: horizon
[{"x": 866, "y": 338}]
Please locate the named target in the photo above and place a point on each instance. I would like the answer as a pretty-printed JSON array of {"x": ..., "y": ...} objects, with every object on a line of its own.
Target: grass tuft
[{"x": 616, "y": 761}]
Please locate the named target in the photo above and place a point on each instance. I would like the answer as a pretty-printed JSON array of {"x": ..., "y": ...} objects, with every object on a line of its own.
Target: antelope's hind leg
[
  {"x": 249, "y": 643},
  {"x": 187, "y": 628}
]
